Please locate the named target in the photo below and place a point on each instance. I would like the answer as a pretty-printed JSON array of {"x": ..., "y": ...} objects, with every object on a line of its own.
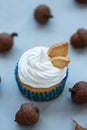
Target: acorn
[
  {"x": 6, "y": 41},
  {"x": 42, "y": 14},
  {"x": 79, "y": 39},
  {"x": 27, "y": 115},
  {"x": 82, "y": 1},
  {"x": 79, "y": 92}
]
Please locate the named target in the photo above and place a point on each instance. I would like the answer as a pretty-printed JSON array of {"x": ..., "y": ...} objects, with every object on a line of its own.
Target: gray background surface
[{"x": 17, "y": 16}]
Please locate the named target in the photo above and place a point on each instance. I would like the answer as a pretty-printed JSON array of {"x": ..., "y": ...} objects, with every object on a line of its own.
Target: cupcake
[{"x": 41, "y": 72}]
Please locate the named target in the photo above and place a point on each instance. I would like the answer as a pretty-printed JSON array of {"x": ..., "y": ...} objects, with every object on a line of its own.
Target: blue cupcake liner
[{"x": 41, "y": 96}]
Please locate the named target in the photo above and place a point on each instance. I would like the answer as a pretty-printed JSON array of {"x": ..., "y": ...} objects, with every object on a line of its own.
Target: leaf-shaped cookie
[
  {"x": 59, "y": 49},
  {"x": 60, "y": 61}
]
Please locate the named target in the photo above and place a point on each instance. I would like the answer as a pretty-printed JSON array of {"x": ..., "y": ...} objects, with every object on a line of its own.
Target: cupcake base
[{"x": 44, "y": 95}]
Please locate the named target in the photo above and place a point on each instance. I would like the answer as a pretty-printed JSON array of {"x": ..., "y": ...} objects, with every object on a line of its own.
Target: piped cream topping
[{"x": 36, "y": 70}]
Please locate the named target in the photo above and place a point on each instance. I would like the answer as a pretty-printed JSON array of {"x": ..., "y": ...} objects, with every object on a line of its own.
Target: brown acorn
[
  {"x": 27, "y": 115},
  {"x": 82, "y": 1},
  {"x": 79, "y": 92},
  {"x": 6, "y": 41},
  {"x": 78, "y": 127},
  {"x": 42, "y": 14},
  {"x": 79, "y": 39}
]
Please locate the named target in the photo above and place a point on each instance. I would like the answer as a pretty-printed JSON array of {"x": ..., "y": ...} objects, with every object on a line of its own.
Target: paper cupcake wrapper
[{"x": 41, "y": 96}]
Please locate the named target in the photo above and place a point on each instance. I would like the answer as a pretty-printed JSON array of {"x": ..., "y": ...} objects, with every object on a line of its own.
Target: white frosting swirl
[{"x": 36, "y": 70}]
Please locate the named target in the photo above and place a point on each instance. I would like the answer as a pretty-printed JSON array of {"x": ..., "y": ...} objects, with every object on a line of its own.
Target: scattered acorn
[
  {"x": 27, "y": 115},
  {"x": 6, "y": 41},
  {"x": 79, "y": 92},
  {"x": 42, "y": 14},
  {"x": 79, "y": 39},
  {"x": 82, "y": 1},
  {"x": 78, "y": 127}
]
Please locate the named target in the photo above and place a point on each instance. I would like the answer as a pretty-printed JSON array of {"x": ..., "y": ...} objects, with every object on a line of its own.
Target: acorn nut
[
  {"x": 82, "y": 1},
  {"x": 6, "y": 41},
  {"x": 42, "y": 14},
  {"x": 79, "y": 92},
  {"x": 27, "y": 115},
  {"x": 79, "y": 39}
]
